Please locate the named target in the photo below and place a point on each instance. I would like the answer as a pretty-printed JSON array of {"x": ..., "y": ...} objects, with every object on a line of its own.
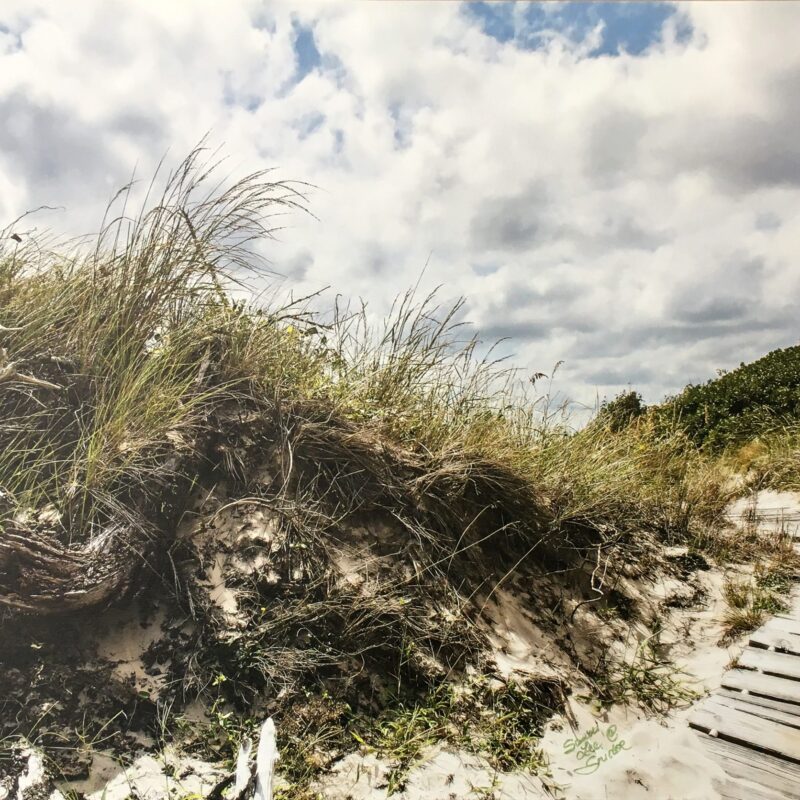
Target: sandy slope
[
  {"x": 653, "y": 758},
  {"x": 633, "y": 757},
  {"x": 637, "y": 758}
]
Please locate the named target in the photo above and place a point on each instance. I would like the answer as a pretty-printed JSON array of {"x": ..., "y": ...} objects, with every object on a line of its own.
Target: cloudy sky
[{"x": 612, "y": 186}]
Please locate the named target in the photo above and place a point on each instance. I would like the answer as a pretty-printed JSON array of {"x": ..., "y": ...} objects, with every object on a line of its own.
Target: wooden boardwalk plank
[
  {"x": 772, "y": 663},
  {"x": 736, "y": 726},
  {"x": 754, "y": 699},
  {"x": 786, "y": 642},
  {"x": 719, "y": 703},
  {"x": 782, "y": 689},
  {"x": 747, "y": 790},
  {"x": 775, "y": 775},
  {"x": 782, "y": 623},
  {"x": 755, "y": 715},
  {"x": 773, "y": 686}
]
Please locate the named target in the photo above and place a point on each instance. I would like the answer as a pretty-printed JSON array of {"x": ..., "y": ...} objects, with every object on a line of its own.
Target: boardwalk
[{"x": 751, "y": 725}]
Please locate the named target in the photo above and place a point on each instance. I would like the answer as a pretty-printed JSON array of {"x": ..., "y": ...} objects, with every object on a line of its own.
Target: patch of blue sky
[
  {"x": 15, "y": 37},
  {"x": 495, "y": 19},
  {"x": 305, "y": 49},
  {"x": 308, "y": 124},
  {"x": 626, "y": 27}
]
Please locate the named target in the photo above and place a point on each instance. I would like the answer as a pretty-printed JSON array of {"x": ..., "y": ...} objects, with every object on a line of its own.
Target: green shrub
[
  {"x": 618, "y": 413},
  {"x": 753, "y": 400}
]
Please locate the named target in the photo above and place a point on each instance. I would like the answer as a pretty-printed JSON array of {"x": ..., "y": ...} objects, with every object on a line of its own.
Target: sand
[
  {"x": 636, "y": 758},
  {"x": 616, "y": 754},
  {"x": 169, "y": 775}
]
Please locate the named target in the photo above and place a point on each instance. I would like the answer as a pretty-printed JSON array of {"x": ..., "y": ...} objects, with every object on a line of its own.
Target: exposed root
[{"x": 39, "y": 574}]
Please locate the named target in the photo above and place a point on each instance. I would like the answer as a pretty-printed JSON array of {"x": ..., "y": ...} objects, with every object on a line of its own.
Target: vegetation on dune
[
  {"x": 747, "y": 419},
  {"x": 115, "y": 360},
  {"x": 771, "y": 460},
  {"x": 753, "y": 400},
  {"x": 129, "y": 376},
  {"x": 760, "y": 400},
  {"x": 108, "y": 381}
]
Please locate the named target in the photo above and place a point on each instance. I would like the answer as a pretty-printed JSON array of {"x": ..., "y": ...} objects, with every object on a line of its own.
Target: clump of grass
[
  {"x": 501, "y": 721},
  {"x": 647, "y": 680},
  {"x": 745, "y": 610},
  {"x": 119, "y": 338},
  {"x": 752, "y": 600},
  {"x": 312, "y": 735},
  {"x": 771, "y": 461},
  {"x": 634, "y": 480},
  {"x": 511, "y": 726}
]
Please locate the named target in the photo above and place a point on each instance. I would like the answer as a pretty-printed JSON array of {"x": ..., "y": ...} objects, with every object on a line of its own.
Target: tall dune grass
[{"x": 116, "y": 356}]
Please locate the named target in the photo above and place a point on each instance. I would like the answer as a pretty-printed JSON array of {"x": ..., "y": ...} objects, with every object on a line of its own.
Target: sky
[{"x": 611, "y": 186}]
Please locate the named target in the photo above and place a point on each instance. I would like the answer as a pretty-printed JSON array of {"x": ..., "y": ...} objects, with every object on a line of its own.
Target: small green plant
[
  {"x": 647, "y": 680},
  {"x": 501, "y": 721},
  {"x": 751, "y": 600},
  {"x": 485, "y": 792}
]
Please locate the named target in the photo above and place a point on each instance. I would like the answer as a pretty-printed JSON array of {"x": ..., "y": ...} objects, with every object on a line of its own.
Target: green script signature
[{"x": 595, "y": 748}]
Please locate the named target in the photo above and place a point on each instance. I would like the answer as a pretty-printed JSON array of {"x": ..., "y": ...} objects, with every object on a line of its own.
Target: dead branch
[{"x": 9, "y": 374}]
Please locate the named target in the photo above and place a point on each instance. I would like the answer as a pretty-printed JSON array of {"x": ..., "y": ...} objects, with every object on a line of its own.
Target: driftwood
[
  {"x": 251, "y": 781},
  {"x": 265, "y": 761},
  {"x": 29, "y": 779},
  {"x": 258, "y": 786},
  {"x": 9, "y": 373},
  {"x": 244, "y": 772},
  {"x": 41, "y": 574}
]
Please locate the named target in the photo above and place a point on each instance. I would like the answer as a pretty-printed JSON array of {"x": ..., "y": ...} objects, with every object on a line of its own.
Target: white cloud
[{"x": 634, "y": 216}]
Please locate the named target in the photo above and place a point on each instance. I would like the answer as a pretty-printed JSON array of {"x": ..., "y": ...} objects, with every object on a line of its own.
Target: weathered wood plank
[
  {"x": 747, "y": 790},
  {"x": 782, "y": 623},
  {"x": 736, "y": 726},
  {"x": 719, "y": 703},
  {"x": 772, "y": 663},
  {"x": 754, "y": 699},
  {"x": 785, "y": 642},
  {"x": 744, "y": 764},
  {"x": 781, "y": 689},
  {"x": 755, "y": 715}
]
